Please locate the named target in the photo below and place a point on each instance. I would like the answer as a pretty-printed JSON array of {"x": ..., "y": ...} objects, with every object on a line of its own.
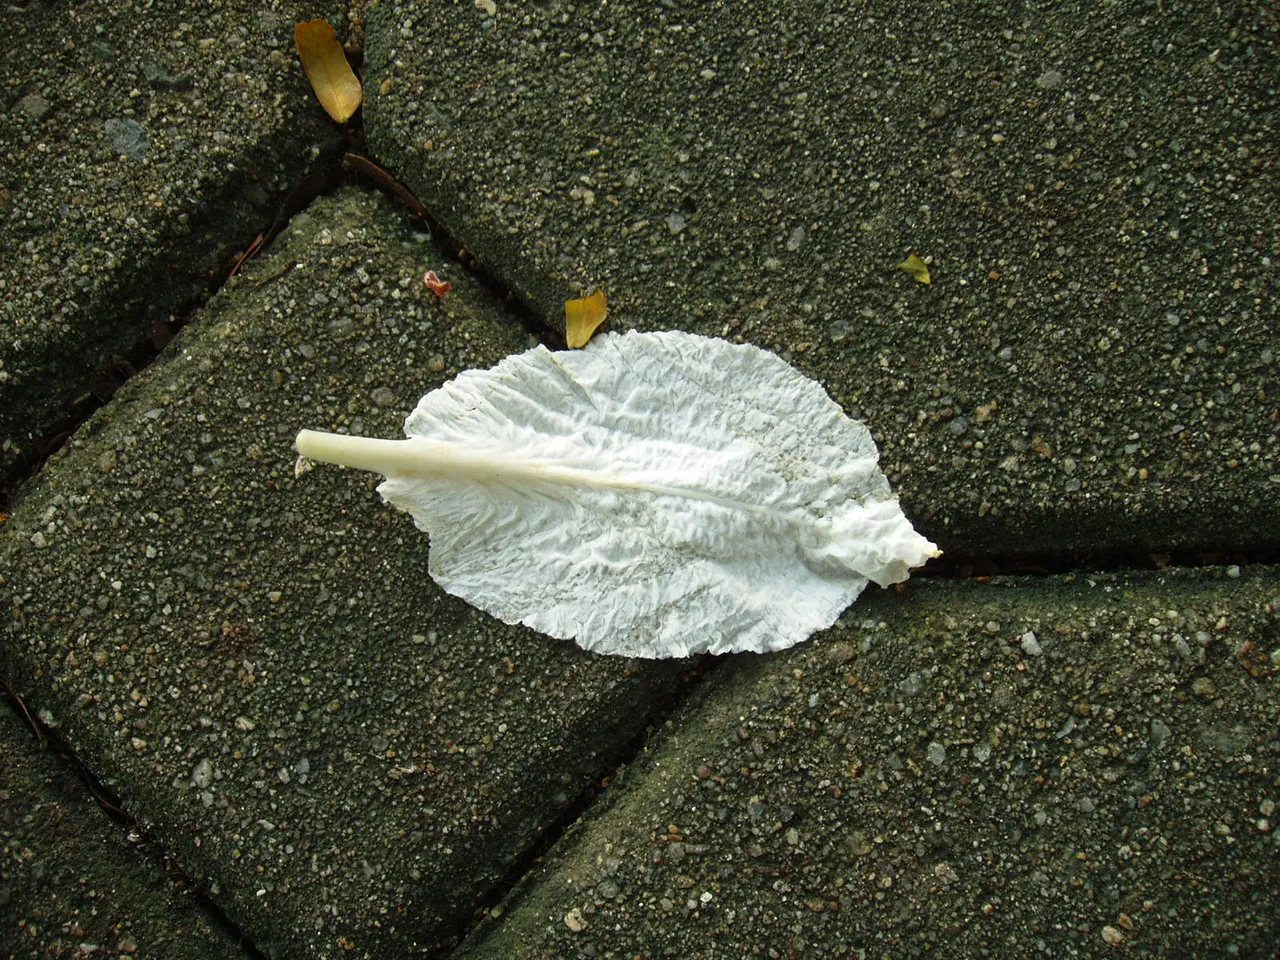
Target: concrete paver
[
  {"x": 1047, "y": 768},
  {"x": 346, "y": 758},
  {"x": 71, "y": 884},
  {"x": 140, "y": 149},
  {"x": 1093, "y": 368},
  {"x": 351, "y": 763}
]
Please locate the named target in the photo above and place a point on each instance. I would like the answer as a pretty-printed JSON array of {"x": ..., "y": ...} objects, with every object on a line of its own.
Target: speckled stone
[
  {"x": 69, "y": 876},
  {"x": 1085, "y": 794},
  {"x": 1093, "y": 367},
  {"x": 140, "y": 151},
  {"x": 346, "y": 758}
]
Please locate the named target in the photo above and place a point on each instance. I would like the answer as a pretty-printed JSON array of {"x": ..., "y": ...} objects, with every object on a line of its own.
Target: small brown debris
[{"x": 325, "y": 63}]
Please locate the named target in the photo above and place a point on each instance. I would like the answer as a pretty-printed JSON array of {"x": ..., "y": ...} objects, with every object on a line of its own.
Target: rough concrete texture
[
  {"x": 1061, "y": 768},
  {"x": 352, "y": 764},
  {"x": 1093, "y": 368},
  {"x": 140, "y": 150},
  {"x": 344, "y": 756},
  {"x": 72, "y": 885}
]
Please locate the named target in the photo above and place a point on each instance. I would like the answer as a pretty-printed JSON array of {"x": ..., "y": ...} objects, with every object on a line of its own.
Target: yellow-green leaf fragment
[
  {"x": 917, "y": 268},
  {"x": 581, "y": 317},
  {"x": 331, "y": 76}
]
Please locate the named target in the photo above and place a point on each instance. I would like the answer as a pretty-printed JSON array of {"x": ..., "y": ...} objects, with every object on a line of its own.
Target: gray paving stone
[
  {"x": 350, "y": 762},
  {"x": 71, "y": 884},
  {"x": 346, "y": 758},
  {"x": 1063, "y": 767},
  {"x": 1094, "y": 365},
  {"x": 140, "y": 149}
]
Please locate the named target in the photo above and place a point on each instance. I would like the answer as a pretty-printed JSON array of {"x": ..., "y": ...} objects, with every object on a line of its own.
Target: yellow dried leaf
[
  {"x": 327, "y": 68},
  {"x": 581, "y": 317},
  {"x": 917, "y": 268}
]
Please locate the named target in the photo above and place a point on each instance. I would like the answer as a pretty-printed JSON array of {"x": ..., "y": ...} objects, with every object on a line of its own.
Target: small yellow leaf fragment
[
  {"x": 327, "y": 68},
  {"x": 581, "y": 317},
  {"x": 917, "y": 268}
]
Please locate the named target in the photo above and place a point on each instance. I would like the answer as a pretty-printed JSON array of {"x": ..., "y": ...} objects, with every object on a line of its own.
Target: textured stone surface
[
  {"x": 1048, "y": 768},
  {"x": 71, "y": 884},
  {"x": 351, "y": 763},
  {"x": 1093, "y": 368},
  {"x": 345, "y": 757},
  {"x": 140, "y": 150}
]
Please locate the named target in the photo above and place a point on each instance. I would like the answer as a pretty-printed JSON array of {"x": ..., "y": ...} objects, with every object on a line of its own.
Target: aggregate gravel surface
[
  {"x": 1070, "y": 767},
  {"x": 346, "y": 759},
  {"x": 73, "y": 884},
  {"x": 351, "y": 763},
  {"x": 1093, "y": 367},
  {"x": 141, "y": 147}
]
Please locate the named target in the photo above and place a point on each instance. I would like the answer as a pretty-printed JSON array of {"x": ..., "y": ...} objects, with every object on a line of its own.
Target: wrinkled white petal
[{"x": 654, "y": 495}]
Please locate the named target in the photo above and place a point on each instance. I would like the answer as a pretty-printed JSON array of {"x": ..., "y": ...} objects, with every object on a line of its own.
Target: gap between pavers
[
  {"x": 140, "y": 150},
  {"x": 1066, "y": 766},
  {"x": 348, "y": 759},
  {"x": 71, "y": 883},
  {"x": 1094, "y": 367}
]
